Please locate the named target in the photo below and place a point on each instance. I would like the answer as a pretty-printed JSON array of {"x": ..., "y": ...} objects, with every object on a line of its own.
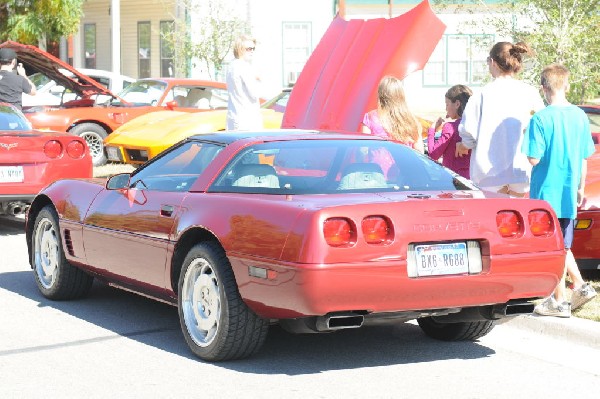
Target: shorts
[
  {"x": 513, "y": 189},
  {"x": 567, "y": 226}
]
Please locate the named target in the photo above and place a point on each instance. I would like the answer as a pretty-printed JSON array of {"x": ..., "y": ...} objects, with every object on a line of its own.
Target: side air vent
[{"x": 69, "y": 242}]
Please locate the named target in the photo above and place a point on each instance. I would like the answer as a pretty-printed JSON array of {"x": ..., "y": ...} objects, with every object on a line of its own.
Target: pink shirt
[{"x": 445, "y": 146}]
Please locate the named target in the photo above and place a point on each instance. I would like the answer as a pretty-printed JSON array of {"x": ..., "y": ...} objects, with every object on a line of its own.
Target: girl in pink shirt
[
  {"x": 392, "y": 120},
  {"x": 445, "y": 145}
]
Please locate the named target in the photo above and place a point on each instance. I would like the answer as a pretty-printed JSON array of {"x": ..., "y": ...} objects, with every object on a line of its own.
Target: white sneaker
[
  {"x": 552, "y": 308},
  {"x": 582, "y": 295}
]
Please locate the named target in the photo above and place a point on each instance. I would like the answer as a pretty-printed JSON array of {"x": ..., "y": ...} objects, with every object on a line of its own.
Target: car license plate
[
  {"x": 442, "y": 259},
  {"x": 11, "y": 174}
]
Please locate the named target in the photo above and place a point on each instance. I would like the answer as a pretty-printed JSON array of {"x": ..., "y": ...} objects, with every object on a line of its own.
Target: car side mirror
[
  {"x": 172, "y": 105},
  {"x": 118, "y": 182}
]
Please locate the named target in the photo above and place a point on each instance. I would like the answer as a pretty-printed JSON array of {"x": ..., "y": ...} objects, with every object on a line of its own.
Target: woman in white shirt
[{"x": 494, "y": 120}]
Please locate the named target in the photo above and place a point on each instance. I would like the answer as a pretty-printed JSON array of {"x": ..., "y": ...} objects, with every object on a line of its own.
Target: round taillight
[
  {"x": 339, "y": 232},
  {"x": 541, "y": 223},
  {"x": 376, "y": 229},
  {"x": 75, "y": 149},
  {"x": 53, "y": 149},
  {"x": 509, "y": 224}
]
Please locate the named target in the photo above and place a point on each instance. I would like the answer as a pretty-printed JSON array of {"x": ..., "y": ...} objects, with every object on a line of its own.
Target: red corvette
[
  {"x": 586, "y": 238},
  {"x": 95, "y": 120},
  {"x": 315, "y": 231},
  {"x": 30, "y": 160}
]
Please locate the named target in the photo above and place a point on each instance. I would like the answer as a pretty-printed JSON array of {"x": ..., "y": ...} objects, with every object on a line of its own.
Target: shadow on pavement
[{"x": 156, "y": 324}]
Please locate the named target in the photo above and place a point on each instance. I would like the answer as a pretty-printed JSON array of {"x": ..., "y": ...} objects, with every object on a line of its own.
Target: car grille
[{"x": 136, "y": 155}]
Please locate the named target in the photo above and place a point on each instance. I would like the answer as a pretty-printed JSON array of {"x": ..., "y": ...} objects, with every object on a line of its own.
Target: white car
[{"x": 49, "y": 93}]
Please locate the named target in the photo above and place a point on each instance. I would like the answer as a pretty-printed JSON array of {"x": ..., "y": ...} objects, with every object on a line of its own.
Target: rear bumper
[{"x": 311, "y": 290}]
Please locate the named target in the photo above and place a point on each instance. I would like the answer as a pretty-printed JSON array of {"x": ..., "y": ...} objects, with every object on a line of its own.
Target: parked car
[
  {"x": 51, "y": 93},
  {"x": 593, "y": 113},
  {"x": 146, "y": 136},
  {"x": 30, "y": 160},
  {"x": 93, "y": 121},
  {"x": 240, "y": 229},
  {"x": 586, "y": 237}
]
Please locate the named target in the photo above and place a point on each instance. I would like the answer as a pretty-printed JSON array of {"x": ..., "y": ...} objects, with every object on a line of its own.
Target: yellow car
[{"x": 148, "y": 135}]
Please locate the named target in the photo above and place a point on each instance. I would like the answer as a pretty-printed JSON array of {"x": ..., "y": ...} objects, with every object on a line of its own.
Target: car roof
[
  {"x": 593, "y": 109},
  {"x": 228, "y": 137}
]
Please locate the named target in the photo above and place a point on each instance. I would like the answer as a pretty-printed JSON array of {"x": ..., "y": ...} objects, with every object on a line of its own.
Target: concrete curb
[{"x": 580, "y": 331}]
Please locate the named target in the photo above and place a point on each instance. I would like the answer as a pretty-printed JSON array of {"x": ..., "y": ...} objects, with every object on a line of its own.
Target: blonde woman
[
  {"x": 243, "y": 107},
  {"x": 392, "y": 119}
]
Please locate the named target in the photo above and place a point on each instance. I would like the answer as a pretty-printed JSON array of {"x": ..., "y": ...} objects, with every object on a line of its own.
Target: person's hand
[
  {"x": 461, "y": 149},
  {"x": 21, "y": 70},
  {"x": 439, "y": 123}
]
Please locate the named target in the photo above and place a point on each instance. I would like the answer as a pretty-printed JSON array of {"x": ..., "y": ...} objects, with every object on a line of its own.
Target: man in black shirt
[{"x": 13, "y": 85}]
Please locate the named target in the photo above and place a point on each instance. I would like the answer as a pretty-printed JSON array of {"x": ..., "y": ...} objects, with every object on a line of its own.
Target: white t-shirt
[
  {"x": 243, "y": 107},
  {"x": 493, "y": 124}
]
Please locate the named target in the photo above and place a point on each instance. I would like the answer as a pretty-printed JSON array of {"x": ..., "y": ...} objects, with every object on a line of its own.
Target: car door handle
[{"x": 166, "y": 210}]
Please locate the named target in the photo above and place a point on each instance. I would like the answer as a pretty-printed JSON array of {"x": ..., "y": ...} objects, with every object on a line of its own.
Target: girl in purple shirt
[{"x": 444, "y": 146}]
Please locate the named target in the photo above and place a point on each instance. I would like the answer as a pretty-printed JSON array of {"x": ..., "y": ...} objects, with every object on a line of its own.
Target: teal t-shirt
[{"x": 559, "y": 136}]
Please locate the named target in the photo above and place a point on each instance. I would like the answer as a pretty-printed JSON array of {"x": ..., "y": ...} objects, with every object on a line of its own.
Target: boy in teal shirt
[{"x": 557, "y": 144}]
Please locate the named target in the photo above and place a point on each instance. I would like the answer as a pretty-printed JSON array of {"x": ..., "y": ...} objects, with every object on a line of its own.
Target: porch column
[{"x": 115, "y": 22}]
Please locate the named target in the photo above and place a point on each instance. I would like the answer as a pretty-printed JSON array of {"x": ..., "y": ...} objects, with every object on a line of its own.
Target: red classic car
[
  {"x": 30, "y": 160},
  {"x": 302, "y": 228},
  {"x": 586, "y": 238},
  {"x": 93, "y": 120}
]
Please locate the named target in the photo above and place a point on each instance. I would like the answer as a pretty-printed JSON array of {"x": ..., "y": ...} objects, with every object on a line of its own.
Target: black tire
[
  {"x": 94, "y": 135},
  {"x": 56, "y": 278},
  {"x": 216, "y": 323},
  {"x": 462, "y": 331}
]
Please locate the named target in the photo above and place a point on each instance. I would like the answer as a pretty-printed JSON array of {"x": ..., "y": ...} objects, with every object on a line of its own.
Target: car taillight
[
  {"x": 509, "y": 224},
  {"x": 541, "y": 223},
  {"x": 376, "y": 229},
  {"x": 75, "y": 149},
  {"x": 339, "y": 232},
  {"x": 53, "y": 149}
]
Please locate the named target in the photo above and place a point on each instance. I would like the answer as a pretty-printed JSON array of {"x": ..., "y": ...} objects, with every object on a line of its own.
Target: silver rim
[
  {"x": 200, "y": 302},
  {"x": 46, "y": 253},
  {"x": 95, "y": 143}
]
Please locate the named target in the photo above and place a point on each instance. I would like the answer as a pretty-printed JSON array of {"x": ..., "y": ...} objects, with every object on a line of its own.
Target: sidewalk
[{"x": 580, "y": 331}]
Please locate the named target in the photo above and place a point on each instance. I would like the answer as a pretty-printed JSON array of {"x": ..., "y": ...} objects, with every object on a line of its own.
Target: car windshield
[
  {"x": 39, "y": 80},
  {"x": 142, "y": 92},
  {"x": 12, "y": 119},
  {"x": 334, "y": 167}
]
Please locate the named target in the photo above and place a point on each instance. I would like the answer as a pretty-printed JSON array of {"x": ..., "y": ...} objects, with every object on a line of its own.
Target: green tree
[
  {"x": 39, "y": 22},
  {"x": 563, "y": 31},
  {"x": 206, "y": 34}
]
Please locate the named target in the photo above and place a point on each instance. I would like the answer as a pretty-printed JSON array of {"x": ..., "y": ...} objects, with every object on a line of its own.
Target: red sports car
[
  {"x": 30, "y": 160},
  {"x": 315, "y": 231},
  {"x": 95, "y": 120},
  {"x": 586, "y": 239}
]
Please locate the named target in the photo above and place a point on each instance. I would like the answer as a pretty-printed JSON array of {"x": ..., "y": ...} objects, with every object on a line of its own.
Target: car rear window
[{"x": 334, "y": 166}]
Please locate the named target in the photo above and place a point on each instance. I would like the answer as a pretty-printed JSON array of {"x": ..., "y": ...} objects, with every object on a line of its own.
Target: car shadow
[
  {"x": 156, "y": 324},
  {"x": 11, "y": 225}
]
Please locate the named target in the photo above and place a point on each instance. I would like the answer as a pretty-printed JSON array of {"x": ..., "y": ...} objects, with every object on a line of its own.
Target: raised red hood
[
  {"x": 37, "y": 60},
  {"x": 339, "y": 81}
]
